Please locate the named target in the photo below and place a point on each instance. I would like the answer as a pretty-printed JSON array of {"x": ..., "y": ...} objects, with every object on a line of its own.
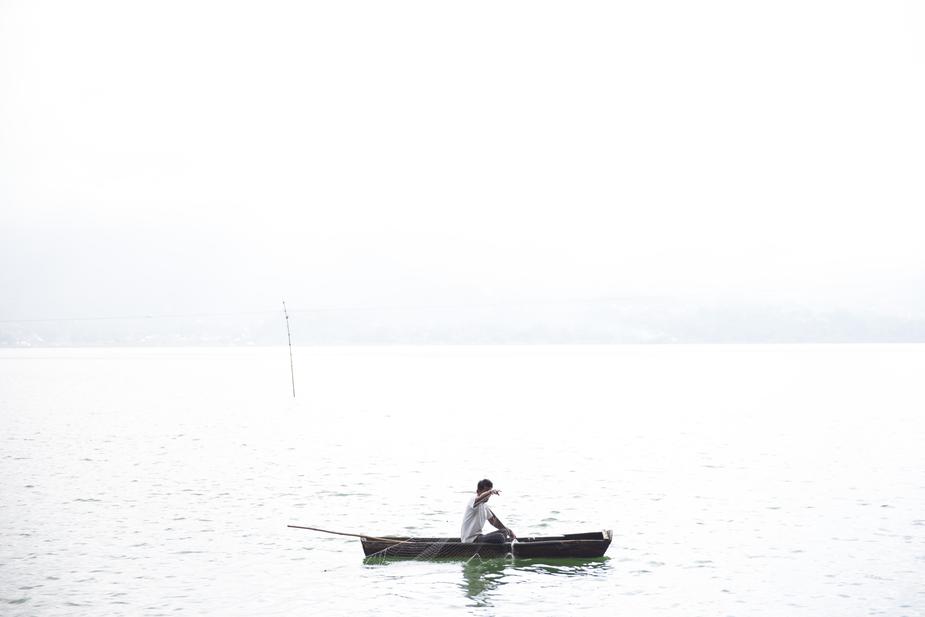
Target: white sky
[{"x": 173, "y": 156}]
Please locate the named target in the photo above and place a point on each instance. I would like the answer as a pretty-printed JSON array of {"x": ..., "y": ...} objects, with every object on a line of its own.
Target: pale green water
[{"x": 737, "y": 480}]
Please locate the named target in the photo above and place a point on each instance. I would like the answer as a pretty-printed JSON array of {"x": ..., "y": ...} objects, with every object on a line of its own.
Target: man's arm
[
  {"x": 496, "y": 522},
  {"x": 483, "y": 497}
]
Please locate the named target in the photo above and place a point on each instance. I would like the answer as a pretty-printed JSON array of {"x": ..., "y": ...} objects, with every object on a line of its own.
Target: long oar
[{"x": 344, "y": 533}]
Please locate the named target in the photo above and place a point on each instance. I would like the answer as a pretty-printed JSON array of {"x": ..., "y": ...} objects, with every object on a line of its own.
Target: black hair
[{"x": 484, "y": 485}]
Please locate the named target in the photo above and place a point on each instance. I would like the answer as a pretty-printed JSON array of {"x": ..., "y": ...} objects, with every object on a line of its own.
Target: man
[{"x": 477, "y": 512}]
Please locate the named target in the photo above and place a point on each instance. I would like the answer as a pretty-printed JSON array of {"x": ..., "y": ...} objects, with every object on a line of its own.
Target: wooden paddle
[{"x": 344, "y": 533}]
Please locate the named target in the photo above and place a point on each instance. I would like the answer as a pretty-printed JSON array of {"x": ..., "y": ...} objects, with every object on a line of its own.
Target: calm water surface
[{"x": 737, "y": 480}]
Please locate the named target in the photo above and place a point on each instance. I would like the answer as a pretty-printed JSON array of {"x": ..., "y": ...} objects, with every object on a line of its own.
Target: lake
[{"x": 737, "y": 480}]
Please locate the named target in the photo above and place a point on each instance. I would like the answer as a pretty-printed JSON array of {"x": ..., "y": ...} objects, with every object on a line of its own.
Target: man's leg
[{"x": 495, "y": 537}]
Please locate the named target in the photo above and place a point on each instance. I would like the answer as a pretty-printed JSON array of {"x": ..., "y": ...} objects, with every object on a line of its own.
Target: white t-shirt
[{"x": 474, "y": 519}]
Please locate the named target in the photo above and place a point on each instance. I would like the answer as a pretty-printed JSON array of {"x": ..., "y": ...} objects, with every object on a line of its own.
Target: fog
[{"x": 438, "y": 172}]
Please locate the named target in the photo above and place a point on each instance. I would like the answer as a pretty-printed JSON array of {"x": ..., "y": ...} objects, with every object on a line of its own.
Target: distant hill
[{"x": 604, "y": 321}]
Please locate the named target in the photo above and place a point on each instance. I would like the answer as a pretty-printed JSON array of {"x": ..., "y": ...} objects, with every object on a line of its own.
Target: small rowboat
[{"x": 592, "y": 544}]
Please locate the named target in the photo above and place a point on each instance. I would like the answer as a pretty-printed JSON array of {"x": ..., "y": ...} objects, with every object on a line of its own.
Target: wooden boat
[{"x": 573, "y": 545}]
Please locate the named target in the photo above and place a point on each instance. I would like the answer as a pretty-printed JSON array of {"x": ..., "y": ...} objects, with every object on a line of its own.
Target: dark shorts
[{"x": 495, "y": 537}]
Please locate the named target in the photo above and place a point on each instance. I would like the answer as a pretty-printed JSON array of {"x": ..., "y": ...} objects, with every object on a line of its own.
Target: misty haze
[{"x": 757, "y": 174}]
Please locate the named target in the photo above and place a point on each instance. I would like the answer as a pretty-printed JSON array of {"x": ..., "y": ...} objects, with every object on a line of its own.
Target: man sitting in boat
[{"x": 477, "y": 512}]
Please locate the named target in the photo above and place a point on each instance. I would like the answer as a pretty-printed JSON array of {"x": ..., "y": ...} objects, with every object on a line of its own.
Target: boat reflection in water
[{"x": 483, "y": 576}]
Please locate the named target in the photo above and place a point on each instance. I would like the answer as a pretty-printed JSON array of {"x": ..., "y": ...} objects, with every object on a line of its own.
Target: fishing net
[
  {"x": 430, "y": 548},
  {"x": 425, "y": 549},
  {"x": 415, "y": 549}
]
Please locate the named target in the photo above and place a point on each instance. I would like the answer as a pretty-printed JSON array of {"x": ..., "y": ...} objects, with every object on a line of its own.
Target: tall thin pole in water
[{"x": 289, "y": 336}]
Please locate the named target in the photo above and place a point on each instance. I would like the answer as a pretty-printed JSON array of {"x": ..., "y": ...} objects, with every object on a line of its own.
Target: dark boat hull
[{"x": 580, "y": 545}]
